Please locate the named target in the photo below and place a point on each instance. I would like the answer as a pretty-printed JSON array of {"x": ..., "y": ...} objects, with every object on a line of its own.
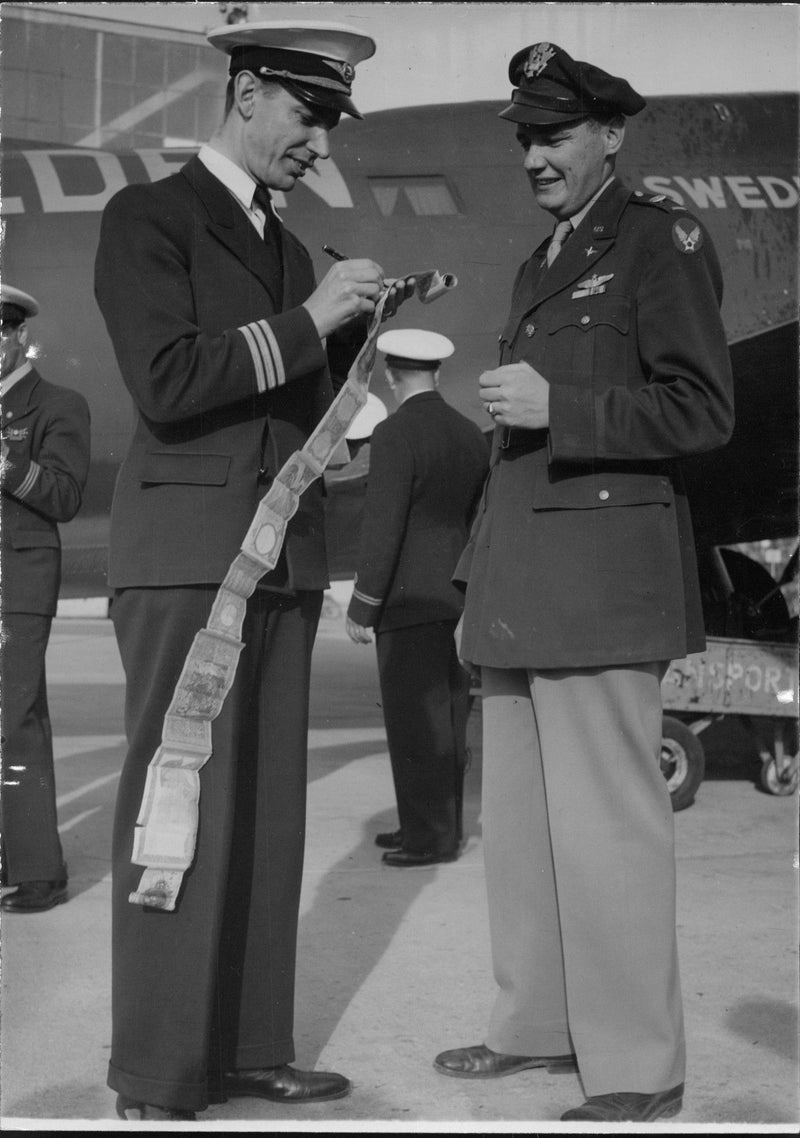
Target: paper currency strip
[{"x": 166, "y": 827}]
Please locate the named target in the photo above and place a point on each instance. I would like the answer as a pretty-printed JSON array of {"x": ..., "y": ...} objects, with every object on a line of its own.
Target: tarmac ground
[{"x": 394, "y": 965}]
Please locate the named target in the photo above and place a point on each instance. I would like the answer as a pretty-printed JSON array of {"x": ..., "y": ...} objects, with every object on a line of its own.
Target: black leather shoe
[
  {"x": 627, "y": 1106},
  {"x": 391, "y": 841},
  {"x": 131, "y": 1111},
  {"x": 480, "y": 1062},
  {"x": 405, "y": 858},
  {"x": 34, "y": 897},
  {"x": 286, "y": 1084}
]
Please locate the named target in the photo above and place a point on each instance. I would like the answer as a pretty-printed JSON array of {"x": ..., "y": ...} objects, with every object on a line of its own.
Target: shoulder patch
[
  {"x": 660, "y": 201},
  {"x": 687, "y": 235}
]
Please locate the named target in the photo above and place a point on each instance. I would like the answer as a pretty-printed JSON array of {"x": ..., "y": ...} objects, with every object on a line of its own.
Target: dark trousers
[
  {"x": 210, "y": 986},
  {"x": 31, "y": 848},
  {"x": 425, "y": 696}
]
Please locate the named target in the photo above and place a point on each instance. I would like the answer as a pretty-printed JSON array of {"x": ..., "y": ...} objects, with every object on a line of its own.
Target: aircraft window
[{"x": 428, "y": 196}]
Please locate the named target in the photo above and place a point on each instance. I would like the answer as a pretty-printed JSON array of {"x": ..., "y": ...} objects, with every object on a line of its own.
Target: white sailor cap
[
  {"x": 373, "y": 412},
  {"x": 315, "y": 60},
  {"x": 16, "y": 304},
  {"x": 414, "y": 348}
]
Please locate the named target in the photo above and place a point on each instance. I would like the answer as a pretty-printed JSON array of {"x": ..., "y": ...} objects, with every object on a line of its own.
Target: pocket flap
[
  {"x": 588, "y": 312},
  {"x": 600, "y": 490},
  {"x": 185, "y": 467},
  {"x": 35, "y": 539}
]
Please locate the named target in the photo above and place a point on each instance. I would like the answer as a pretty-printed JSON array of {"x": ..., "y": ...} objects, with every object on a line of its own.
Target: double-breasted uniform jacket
[
  {"x": 46, "y": 428},
  {"x": 427, "y": 466},
  {"x": 582, "y": 553},
  {"x": 228, "y": 381}
]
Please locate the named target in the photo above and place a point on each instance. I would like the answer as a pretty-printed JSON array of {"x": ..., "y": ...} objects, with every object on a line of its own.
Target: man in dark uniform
[
  {"x": 220, "y": 332},
  {"x": 581, "y": 585},
  {"x": 426, "y": 470},
  {"x": 43, "y": 470}
]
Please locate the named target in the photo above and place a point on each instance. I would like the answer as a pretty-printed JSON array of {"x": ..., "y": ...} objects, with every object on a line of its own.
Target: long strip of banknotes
[{"x": 166, "y": 827}]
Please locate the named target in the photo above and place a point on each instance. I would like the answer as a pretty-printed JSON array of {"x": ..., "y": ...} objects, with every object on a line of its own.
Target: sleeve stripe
[
  {"x": 29, "y": 481},
  {"x": 366, "y": 599},
  {"x": 266, "y": 355}
]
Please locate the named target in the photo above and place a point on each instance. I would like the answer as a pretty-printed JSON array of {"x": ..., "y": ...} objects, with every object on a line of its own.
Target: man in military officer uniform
[
  {"x": 43, "y": 470},
  {"x": 231, "y": 351},
  {"x": 581, "y": 585},
  {"x": 426, "y": 470}
]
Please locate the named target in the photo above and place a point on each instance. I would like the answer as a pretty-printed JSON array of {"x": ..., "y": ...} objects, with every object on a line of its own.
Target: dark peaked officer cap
[
  {"x": 552, "y": 87},
  {"x": 316, "y": 61}
]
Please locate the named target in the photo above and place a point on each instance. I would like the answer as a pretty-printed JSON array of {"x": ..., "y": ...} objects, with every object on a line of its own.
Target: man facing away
[
  {"x": 43, "y": 470},
  {"x": 223, "y": 338},
  {"x": 427, "y": 466},
  {"x": 581, "y": 586}
]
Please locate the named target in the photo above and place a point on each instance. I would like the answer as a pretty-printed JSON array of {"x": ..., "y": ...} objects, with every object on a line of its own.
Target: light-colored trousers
[{"x": 580, "y": 871}]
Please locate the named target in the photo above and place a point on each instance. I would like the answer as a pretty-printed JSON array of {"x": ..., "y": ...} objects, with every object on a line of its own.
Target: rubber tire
[
  {"x": 682, "y": 754},
  {"x": 768, "y": 778}
]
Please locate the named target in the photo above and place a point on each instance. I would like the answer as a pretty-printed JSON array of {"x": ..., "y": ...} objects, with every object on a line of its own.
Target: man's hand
[
  {"x": 348, "y": 289},
  {"x": 358, "y": 633},
  {"x": 516, "y": 395},
  {"x": 399, "y": 291}
]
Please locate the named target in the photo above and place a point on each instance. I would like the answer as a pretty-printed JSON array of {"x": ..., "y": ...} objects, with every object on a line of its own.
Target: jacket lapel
[
  {"x": 23, "y": 396},
  {"x": 588, "y": 244},
  {"x": 230, "y": 225}
]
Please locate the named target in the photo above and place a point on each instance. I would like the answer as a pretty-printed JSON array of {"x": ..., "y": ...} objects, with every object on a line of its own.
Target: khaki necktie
[{"x": 560, "y": 234}]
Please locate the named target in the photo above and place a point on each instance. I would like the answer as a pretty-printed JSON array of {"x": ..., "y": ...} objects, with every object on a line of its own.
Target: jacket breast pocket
[
  {"x": 184, "y": 468},
  {"x": 588, "y": 340},
  {"x": 602, "y": 490}
]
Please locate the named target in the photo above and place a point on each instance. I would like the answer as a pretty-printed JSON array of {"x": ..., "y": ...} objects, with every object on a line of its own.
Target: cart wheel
[
  {"x": 775, "y": 783},
  {"x": 683, "y": 762}
]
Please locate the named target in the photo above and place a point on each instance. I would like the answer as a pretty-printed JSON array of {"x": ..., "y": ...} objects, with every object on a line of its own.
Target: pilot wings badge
[
  {"x": 538, "y": 58},
  {"x": 591, "y": 286},
  {"x": 687, "y": 236}
]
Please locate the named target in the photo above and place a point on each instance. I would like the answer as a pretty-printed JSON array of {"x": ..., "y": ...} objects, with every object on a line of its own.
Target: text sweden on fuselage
[{"x": 97, "y": 175}]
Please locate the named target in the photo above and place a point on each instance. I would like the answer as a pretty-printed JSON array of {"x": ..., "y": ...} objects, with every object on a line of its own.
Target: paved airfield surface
[{"x": 394, "y": 965}]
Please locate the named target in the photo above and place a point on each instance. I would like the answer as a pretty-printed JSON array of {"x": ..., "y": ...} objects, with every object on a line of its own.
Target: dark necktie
[
  {"x": 272, "y": 238},
  {"x": 560, "y": 235}
]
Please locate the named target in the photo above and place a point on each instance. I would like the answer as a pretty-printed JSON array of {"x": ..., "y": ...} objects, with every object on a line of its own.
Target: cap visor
[{"x": 537, "y": 116}]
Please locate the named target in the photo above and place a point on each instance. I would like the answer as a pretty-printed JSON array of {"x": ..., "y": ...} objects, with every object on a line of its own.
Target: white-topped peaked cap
[
  {"x": 16, "y": 298},
  {"x": 414, "y": 348},
  {"x": 313, "y": 59}
]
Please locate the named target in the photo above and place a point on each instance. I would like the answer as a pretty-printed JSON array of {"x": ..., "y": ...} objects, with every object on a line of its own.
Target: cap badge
[
  {"x": 687, "y": 240},
  {"x": 346, "y": 70},
  {"x": 538, "y": 58}
]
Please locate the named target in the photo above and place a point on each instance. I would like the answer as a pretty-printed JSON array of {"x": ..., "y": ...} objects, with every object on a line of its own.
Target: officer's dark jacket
[
  {"x": 427, "y": 465},
  {"x": 582, "y": 553},
  {"x": 228, "y": 376},
  {"x": 47, "y": 432}
]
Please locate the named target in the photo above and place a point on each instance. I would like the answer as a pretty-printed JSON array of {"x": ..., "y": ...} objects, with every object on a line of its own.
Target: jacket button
[
  {"x": 603, "y": 495},
  {"x": 585, "y": 319}
]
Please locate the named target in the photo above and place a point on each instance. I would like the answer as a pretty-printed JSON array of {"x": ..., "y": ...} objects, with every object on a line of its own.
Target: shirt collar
[
  {"x": 14, "y": 377},
  {"x": 233, "y": 177},
  {"x": 577, "y": 218}
]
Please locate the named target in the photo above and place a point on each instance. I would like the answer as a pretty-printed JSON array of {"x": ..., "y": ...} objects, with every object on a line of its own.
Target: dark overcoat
[
  {"x": 426, "y": 470},
  {"x": 46, "y": 428},
  {"x": 228, "y": 376},
  {"x": 582, "y": 554}
]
